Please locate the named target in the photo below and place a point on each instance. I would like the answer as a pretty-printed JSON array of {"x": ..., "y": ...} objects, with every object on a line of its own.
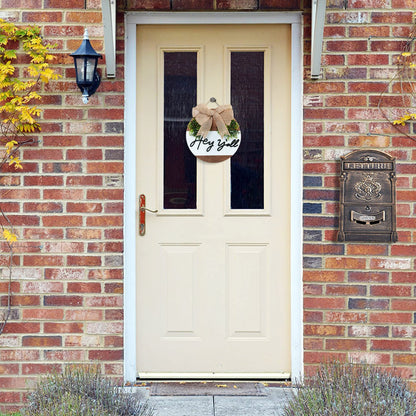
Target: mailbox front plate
[{"x": 368, "y": 197}]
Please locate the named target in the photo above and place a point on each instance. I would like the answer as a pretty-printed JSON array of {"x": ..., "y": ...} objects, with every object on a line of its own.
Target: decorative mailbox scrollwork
[
  {"x": 368, "y": 197},
  {"x": 368, "y": 189}
]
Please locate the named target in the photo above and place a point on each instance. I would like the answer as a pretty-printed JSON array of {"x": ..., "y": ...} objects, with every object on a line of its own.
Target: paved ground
[{"x": 270, "y": 405}]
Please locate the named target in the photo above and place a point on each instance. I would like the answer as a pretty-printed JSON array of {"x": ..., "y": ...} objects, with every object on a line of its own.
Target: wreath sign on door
[{"x": 213, "y": 134}]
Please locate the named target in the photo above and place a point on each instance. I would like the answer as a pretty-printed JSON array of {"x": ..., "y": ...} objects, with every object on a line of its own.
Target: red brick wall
[
  {"x": 67, "y": 207},
  {"x": 67, "y": 203},
  {"x": 359, "y": 298}
]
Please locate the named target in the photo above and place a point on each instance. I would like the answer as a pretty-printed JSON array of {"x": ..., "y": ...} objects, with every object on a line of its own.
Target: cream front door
[{"x": 213, "y": 268}]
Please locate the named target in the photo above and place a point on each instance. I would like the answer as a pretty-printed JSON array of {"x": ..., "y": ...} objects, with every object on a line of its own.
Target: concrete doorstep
[{"x": 272, "y": 404}]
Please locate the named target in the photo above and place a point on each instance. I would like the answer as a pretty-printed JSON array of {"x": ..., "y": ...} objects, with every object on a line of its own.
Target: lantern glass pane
[
  {"x": 85, "y": 69},
  {"x": 80, "y": 69},
  {"x": 90, "y": 69}
]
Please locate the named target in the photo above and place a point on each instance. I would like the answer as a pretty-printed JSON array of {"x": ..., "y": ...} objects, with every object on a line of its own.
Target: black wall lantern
[{"x": 85, "y": 60}]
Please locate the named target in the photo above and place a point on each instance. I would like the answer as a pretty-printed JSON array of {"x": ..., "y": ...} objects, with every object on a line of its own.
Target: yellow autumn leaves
[
  {"x": 19, "y": 79},
  {"x": 9, "y": 236},
  {"x": 17, "y": 93},
  {"x": 13, "y": 160},
  {"x": 406, "y": 117},
  {"x": 407, "y": 60}
]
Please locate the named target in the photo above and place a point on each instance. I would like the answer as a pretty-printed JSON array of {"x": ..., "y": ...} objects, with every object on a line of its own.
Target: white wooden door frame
[{"x": 130, "y": 215}]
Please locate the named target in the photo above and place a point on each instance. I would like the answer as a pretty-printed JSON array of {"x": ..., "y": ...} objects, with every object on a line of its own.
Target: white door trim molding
[{"x": 130, "y": 215}]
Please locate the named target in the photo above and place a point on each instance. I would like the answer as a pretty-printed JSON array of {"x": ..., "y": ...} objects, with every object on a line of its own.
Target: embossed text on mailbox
[{"x": 368, "y": 197}]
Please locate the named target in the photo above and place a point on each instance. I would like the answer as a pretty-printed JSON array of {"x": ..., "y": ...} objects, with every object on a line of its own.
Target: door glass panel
[
  {"x": 247, "y": 99},
  {"x": 179, "y": 170}
]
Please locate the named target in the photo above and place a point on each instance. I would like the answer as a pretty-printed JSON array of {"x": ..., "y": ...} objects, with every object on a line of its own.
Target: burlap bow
[{"x": 222, "y": 116}]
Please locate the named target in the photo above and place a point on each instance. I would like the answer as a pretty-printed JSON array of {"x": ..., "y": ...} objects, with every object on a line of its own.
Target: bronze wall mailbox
[{"x": 368, "y": 197}]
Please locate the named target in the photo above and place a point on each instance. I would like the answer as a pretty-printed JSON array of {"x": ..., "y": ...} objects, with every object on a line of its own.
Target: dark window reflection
[
  {"x": 247, "y": 99},
  {"x": 180, "y": 76}
]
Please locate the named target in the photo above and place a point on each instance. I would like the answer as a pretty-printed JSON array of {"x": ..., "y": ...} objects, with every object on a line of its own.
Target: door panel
[
  {"x": 247, "y": 289},
  {"x": 213, "y": 291}
]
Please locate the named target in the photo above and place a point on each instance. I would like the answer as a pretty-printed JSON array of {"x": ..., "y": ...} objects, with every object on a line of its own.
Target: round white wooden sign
[{"x": 213, "y": 148}]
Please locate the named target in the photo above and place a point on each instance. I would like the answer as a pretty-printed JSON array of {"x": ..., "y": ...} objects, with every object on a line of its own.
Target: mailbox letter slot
[
  {"x": 368, "y": 197},
  {"x": 366, "y": 219}
]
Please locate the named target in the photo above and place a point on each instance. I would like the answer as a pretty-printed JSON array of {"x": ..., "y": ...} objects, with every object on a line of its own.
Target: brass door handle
[{"x": 142, "y": 214}]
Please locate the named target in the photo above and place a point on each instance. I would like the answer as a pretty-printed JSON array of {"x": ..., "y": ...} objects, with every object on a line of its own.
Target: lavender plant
[
  {"x": 83, "y": 391},
  {"x": 351, "y": 390}
]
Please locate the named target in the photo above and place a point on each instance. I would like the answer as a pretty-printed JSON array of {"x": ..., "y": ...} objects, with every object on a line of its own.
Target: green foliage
[
  {"x": 233, "y": 128},
  {"x": 352, "y": 390},
  {"x": 193, "y": 127},
  {"x": 83, "y": 391}
]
